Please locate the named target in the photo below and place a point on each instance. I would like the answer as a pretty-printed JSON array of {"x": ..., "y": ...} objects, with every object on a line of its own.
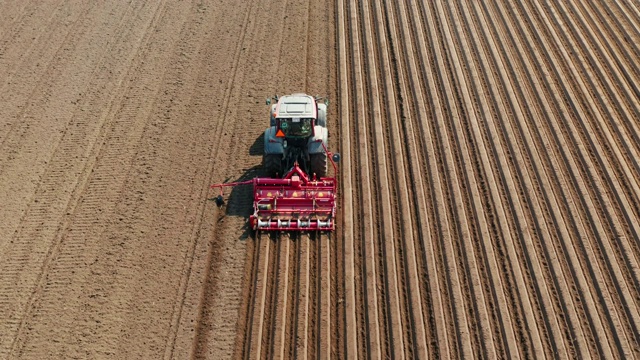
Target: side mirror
[
  {"x": 336, "y": 158},
  {"x": 268, "y": 101}
]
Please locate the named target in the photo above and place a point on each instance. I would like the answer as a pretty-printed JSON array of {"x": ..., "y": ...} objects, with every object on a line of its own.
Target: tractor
[
  {"x": 297, "y": 133},
  {"x": 296, "y": 194}
]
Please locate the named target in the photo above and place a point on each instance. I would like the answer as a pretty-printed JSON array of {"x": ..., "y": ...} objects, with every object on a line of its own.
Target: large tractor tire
[
  {"x": 272, "y": 164},
  {"x": 318, "y": 164}
]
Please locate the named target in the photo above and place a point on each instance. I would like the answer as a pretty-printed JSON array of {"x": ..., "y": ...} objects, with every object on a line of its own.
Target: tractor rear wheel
[
  {"x": 272, "y": 164},
  {"x": 318, "y": 164}
]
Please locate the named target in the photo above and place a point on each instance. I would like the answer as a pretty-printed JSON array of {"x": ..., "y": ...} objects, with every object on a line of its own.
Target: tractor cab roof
[{"x": 296, "y": 106}]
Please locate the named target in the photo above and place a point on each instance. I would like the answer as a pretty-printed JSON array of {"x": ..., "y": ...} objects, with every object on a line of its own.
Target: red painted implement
[{"x": 292, "y": 203}]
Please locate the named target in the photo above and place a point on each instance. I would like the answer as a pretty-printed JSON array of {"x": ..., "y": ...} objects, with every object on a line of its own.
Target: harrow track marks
[{"x": 115, "y": 220}]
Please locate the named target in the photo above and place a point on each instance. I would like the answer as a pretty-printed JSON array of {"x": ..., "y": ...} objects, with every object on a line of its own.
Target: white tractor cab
[{"x": 297, "y": 132}]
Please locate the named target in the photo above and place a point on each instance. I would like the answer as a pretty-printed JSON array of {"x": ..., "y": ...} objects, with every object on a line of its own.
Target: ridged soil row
[
  {"x": 553, "y": 182},
  {"x": 402, "y": 146},
  {"x": 48, "y": 216},
  {"x": 472, "y": 220},
  {"x": 602, "y": 170},
  {"x": 375, "y": 48},
  {"x": 579, "y": 194},
  {"x": 326, "y": 328},
  {"x": 498, "y": 98},
  {"x": 611, "y": 146},
  {"x": 621, "y": 265},
  {"x": 565, "y": 227},
  {"x": 458, "y": 337},
  {"x": 608, "y": 26},
  {"x": 487, "y": 214},
  {"x": 626, "y": 16},
  {"x": 289, "y": 312},
  {"x": 254, "y": 345},
  {"x": 524, "y": 117},
  {"x": 349, "y": 310},
  {"x": 528, "y": 334},
  {"x": 362, "y": 233},
  {"x": 515, "y": 162},
  {"x": 619, "y": 59},
  {"x": 416, "y": 82},
  {"x": 556, "y": 208}
]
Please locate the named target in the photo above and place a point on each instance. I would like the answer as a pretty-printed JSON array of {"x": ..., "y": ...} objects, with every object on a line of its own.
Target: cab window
[{"x": 296, "y": 127}]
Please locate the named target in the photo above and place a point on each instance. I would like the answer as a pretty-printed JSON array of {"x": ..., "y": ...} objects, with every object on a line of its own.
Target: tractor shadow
[
  {"x": 257, "y": 148},
  {"x": 239, "y": 199}
]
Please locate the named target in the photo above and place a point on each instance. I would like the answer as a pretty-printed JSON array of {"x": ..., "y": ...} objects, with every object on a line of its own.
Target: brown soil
[{"x": 490, "y": 183}]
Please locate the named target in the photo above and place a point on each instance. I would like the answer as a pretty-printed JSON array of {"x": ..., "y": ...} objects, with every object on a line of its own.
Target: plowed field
[{"x": 490, "y": 182}]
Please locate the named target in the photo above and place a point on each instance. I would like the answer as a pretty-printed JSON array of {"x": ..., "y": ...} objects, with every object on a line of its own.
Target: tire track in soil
[
  {"x": 9, "y": 17},
  {"x": 39, "y": 221},
  {"x": 133, "y": 123},
  {"x": 183, "y": 338},
  {"x": 29, "y": 42},
  {"x": 56, "y": 46},
  {"x": 493, "y": 173},
  {"x": 217, "y": 288},
  {"x": 25, "y": 143}
]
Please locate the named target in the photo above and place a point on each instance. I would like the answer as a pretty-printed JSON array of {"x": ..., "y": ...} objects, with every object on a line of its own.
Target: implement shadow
[{"x": 239, "y": 200}]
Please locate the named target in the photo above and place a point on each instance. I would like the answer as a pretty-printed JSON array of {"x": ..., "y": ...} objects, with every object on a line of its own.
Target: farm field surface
[{"x": 489, "y": 201}]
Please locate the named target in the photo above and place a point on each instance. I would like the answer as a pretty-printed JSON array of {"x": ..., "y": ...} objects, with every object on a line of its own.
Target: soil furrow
[
  {"x": 580, "y": 227},
  {"x": 415, "y": 110},
  {"x": 350, "y": 341},
  {"x": 254, "y": 349},
  {"x": 532, "y": 332},
  {"x": 323, "y": 316},
  {"x": 368, "y": 233},
  {"x": 301, "y": 340},
  {"x": 383, "y": 216},
  {"x": 280, "y": 316}
]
